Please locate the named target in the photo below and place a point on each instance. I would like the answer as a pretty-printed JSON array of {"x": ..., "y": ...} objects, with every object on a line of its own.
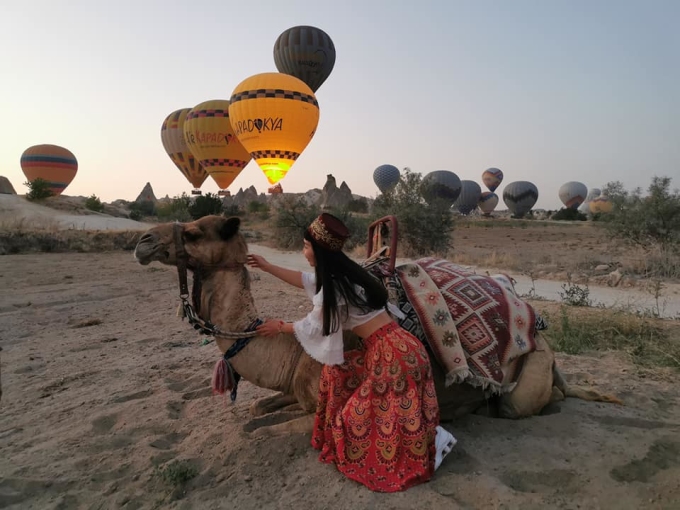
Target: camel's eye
[{"x": 192, "y": 235}]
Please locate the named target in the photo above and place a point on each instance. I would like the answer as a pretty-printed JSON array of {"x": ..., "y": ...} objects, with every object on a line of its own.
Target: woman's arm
[{"x": 289, "y": 276}]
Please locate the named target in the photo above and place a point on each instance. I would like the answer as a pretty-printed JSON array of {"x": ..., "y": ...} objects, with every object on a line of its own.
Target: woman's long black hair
[{"x": 337, "y": 274}]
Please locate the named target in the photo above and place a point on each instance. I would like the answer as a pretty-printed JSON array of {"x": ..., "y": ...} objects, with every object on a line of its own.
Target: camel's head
[{"x": 211, "y": 241}]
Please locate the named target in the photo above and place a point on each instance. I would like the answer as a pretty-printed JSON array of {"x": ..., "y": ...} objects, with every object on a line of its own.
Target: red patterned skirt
[{"x": 378, "y": 411}]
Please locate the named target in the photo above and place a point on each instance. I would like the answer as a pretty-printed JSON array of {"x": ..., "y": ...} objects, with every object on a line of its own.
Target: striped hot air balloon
[
  {"x": 467, "y": 201},
  {"x": 56, "y": 165},
  {"x": 441, "y": 185},
  {"x": 492, "y": 178},
  {"x": 308, "y": 53},
  {"x": 488, "y": 202},
  {"x": 572, "y": 194},
  {"x": 520, "y": 197},
  {"x": 172, "y": 138}
]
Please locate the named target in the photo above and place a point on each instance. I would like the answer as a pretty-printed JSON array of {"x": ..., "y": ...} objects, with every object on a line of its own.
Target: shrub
[
  {"x": 139, "y": 210},
  {"x": 177, "y": 209},
  {"x": 206, "y": 205},
  {"x": 94, "y": 204},
  {"x": 293, "y": 216},
  {"x": 567, "y": 214},
  {"x": 39, "y": 189}
]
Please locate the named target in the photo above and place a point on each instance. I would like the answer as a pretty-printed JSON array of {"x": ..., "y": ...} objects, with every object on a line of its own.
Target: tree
[
  {"x": 39, "y": 189},
  {"x": 94, "y": 204},
  {"x": 649, "y": 221},
  {"x": 424, "y": 228},
  {"x": 206, "y": 205}
]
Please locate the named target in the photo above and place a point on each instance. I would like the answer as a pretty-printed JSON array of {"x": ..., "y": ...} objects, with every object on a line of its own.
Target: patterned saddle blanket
[{"x": 475, "y": 326}]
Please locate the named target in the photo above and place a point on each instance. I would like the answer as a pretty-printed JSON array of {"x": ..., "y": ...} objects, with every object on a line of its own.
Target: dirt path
[{"x": 102, "y": 382}]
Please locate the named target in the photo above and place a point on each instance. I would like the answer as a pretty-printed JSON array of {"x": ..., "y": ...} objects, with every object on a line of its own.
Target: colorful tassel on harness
[{"x": 223, "y": 377}]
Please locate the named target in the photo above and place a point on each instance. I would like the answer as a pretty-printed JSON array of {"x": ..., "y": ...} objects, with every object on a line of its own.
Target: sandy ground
[{"x": 103, "y": 383}]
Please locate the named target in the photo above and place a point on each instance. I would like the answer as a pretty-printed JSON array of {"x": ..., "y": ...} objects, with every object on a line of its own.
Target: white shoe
[{"x": 444, "y": 443}]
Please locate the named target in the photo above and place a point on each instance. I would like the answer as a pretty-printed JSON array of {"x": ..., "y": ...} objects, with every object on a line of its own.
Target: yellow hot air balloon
[
  {"x": 172, "y": 136},
  {"x": 210, "y": 137},
  {"x": 274, "y": 116}
]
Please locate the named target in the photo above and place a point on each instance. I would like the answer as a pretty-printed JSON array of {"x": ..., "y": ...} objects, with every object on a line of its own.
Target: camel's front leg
[
  {"x": 301, "y": 425},
  {"x": 271, "y": 403}
]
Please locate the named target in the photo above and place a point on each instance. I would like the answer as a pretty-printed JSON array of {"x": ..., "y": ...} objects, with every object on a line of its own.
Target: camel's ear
[{"x": 230, "y": 227}]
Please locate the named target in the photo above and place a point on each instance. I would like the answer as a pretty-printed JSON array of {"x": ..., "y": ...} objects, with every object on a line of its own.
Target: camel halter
[{"x": 186, "y": 309}]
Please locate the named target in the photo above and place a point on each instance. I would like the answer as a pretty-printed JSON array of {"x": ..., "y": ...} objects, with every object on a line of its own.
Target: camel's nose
[{"x": 146, "y": 238}]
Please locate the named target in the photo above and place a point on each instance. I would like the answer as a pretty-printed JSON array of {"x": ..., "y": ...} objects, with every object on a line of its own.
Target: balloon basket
[
  {"x": 224, "y": 193},
  {"x": 196, "y": 192}
]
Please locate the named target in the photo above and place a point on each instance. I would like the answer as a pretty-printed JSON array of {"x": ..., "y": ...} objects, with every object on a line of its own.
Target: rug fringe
[{"x": 490, "y": 387}]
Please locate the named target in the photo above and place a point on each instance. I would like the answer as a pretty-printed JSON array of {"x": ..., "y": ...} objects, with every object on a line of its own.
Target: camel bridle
[{"x": 187, "y": 309}]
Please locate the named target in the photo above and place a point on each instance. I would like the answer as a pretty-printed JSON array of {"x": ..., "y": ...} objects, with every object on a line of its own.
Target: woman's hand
[
  {"x": 270, "y": 327},
  {"x": 259, "y": 262}
]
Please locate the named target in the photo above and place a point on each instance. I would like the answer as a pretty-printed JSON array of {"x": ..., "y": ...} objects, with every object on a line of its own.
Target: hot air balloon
[
  {"x": 520, "y": 197},
  {"x": 592, "y": 194},
  {"x": 172, "y": 137},
  {"x": 492, "y": 178},
  {"x": 488, "y": 202},
  {"x": 307, "y": 53},
  {"x": 56, "y": 165},
  {"x": 572, "y": 194},
  {"x": 386, "y": 177},
  {"x": 210, "y": 137},
  {"x": 274, "y": 116},
  {"x": 469, "y": 197},
  {"x": 441, "y": 185},
  {"x": 601, "y": 204}
]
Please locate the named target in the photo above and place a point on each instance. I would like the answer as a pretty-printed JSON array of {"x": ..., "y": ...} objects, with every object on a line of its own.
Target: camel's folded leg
[
  {"x": 584, "y": 394},
  {"x": 301, "y": 425},
  {"x": 272, "y": 403}
]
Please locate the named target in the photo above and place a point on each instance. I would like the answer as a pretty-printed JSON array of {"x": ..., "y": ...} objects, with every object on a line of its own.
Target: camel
[{"x": 215, "y": 251}]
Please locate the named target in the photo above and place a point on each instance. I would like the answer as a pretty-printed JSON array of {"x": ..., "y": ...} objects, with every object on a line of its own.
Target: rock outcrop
[
  {"x": 146, "y": 195},
  {"x": 6, "y": 187},
  {"x": 334, "y": 197}
]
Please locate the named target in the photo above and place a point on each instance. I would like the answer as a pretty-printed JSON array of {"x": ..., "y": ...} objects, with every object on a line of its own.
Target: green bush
[
  {"x": 94, "y": 204},
  {"x": 423, "y": 229},
  {"x": 567, "y": 214},
  {"x": 293, "y": 216},
  {"x": 205, "y": 205},
  {"x": 38, "y": 189},
  {"x": 139, "y": 210},
  {"x": 177, "y": 209}
]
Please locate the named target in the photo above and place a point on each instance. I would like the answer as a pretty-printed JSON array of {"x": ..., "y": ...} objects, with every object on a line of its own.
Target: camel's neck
[{"x": 227, "y": 302}]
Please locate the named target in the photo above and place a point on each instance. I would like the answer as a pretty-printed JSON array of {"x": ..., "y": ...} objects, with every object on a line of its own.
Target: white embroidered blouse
[{"x": 309, "y": 331}]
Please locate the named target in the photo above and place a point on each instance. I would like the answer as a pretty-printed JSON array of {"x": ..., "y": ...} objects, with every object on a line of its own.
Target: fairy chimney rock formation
[
  {"x": 146, "y": 195},
  {"x": 6, "y": 187},
  {"x": 334, "y": 197}
]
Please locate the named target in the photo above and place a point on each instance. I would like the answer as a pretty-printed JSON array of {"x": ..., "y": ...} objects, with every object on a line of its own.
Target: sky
[{"x": 547, "y": 91}]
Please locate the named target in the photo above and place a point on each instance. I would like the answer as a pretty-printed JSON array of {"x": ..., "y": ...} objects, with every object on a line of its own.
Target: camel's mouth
[{"x": 147, "y": 252}]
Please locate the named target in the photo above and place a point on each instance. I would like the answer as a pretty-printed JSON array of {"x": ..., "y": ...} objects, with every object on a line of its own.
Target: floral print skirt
[{"x": 377, "y": 413}]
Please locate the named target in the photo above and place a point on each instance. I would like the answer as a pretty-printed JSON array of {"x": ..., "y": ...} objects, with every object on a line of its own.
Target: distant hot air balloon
[
  {"x": 307, "y": 53},
  {"x": 572, "y": 194},
  {"x": 601, "y": 204},
  {"x": 492, "y": 178},
  {"x": 386, "y": 177},
  {"x": 274, "y": 116},
  {"x": 520, "y": 197},
  {"x": 488, "y": 202},
  {"x": 441, "y": 185},
  {"x": 210, "y": 138},
  {"x": 468, "y": 199},
  {"x": 592, "y": 194},
  {"x": 172, "y": 137},
  {"x": 56, "y": 165}
]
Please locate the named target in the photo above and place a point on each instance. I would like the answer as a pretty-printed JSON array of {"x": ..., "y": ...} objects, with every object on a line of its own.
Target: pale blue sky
[{"x": 547, "y": 91}]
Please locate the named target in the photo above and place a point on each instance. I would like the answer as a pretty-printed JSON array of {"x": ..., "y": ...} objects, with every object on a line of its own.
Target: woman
[{"x": 377, "y": 417}]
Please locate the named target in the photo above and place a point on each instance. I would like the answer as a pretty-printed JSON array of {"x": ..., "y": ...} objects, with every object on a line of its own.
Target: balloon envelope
[
  {"x": 585, "y": 206},
  {"x": 56, "y": 165},
  {"x": 488, "y": 202},
  {"x": 172, "y": 137},
  {"x": 572, "y": 194},
  {"x": 441, "y": 185},
  {"x": 601, "y": 204},
  {"x": 308, "y": 53},
  {"x": 211, "y": 139},
  {"x": 386, "y": 177},
  {"x": 492, "y": 178},
  {"x": 274, "y": 116},
  {"x": 520, "y": 197},
  {"x": 467, "y": 201}
]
